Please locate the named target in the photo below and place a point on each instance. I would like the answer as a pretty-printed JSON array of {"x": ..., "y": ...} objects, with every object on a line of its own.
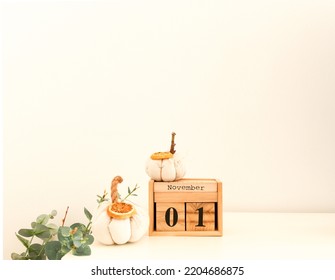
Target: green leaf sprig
[
  {"x": 103, "y": 198},
  {"x": 40, "y": 229},
  {"x": 77, "y": 238},
  {"x": 131, "y": 192}
]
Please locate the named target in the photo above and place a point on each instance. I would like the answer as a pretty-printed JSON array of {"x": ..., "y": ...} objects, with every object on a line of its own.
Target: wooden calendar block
[
  {"x": 186, "y": 207},
  {"x": 170, "y": 216},
  {"x": 184, "y": 185},
  {"x": 200, "y": 216},
  {"x": 186, "y": 197}
]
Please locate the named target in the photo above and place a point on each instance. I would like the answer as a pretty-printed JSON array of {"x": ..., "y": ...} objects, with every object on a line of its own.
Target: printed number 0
[{"x": 175, "y": 217}]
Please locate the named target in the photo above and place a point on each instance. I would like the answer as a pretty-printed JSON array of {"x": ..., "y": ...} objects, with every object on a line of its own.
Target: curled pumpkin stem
[
  {"x": 172, "y": 150},
  {"x": 114, "y": 192},
  {"x": 118, "y": 209}
]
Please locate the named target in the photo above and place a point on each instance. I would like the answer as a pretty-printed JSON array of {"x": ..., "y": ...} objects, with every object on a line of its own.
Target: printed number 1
[{"x": 200, "y": 217}]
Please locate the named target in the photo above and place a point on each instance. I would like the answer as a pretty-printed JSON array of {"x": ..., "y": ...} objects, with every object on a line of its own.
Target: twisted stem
[{"x": 114, "y": 192}]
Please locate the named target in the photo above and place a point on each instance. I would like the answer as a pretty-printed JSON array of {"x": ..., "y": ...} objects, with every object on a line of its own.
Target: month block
[{"x": 186, "y": 207}]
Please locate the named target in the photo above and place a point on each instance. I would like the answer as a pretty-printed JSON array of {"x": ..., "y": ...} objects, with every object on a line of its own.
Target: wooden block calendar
[{"x": 186, "y": 207}]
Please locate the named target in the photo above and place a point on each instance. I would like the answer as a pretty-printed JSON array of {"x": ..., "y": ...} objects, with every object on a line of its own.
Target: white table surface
[{"x": 246, "y": 236}]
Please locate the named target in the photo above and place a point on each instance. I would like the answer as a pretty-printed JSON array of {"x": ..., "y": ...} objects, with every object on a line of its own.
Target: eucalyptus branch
[
  {"x": 40, "y": 229},
  {"x": 76, "y": 238}
]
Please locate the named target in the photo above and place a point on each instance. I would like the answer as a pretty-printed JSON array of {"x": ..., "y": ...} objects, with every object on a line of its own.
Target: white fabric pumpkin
[
  {"x": 166, "y": 170},
  {"x": 108, "y": 230},
  {"x": 166, "y": 166}
]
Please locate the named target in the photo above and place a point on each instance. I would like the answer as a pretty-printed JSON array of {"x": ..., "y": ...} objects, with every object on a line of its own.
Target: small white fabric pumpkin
[
  {"x": 113, "y": 227},
  {"x": 166, "y": 166},
  {"x": 166, "y": 170}
]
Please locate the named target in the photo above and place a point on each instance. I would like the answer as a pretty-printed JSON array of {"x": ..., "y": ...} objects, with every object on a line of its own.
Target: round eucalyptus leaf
[
  {"x": 26, "y": 232},
  {"x": 65, "y": 250},
  {"x": 79, "y": 226},
  {"x": 36, "y": 256},
  {"x": 64, "y": 231},
  {"x": 16, "y": 256},
  {"x": 53, "y": 228},
  {"x": 35, "y": 247},
  {"x": 82, "y": 251},
  {"x": 41, "y": 231},
  {"x": 65, "y": 240},
  {"x": 42, "y": 219},
  {"x": 52, "y": 249},
  {"x": 89, "y": 240},
  {"x": 53, "y": 214},
  {"x": 77, "y": 243},
  {"x": 78, "y": 235}
]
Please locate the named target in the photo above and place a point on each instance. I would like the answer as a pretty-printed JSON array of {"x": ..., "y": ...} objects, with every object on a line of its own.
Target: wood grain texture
[
  {"x": 170, "y": 216},
  {"x": 185, "y": 197},
  {"x": 187, "y": 185},
  {"x": 219, "y": 210},
  {"x": 151, "y": 207},
  {"x": 186, "y": 225},
  {"x": 200, "y": 216}
]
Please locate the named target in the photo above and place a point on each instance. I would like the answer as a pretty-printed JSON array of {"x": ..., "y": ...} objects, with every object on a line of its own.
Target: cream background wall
[{"x": 92, "y": 88}]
